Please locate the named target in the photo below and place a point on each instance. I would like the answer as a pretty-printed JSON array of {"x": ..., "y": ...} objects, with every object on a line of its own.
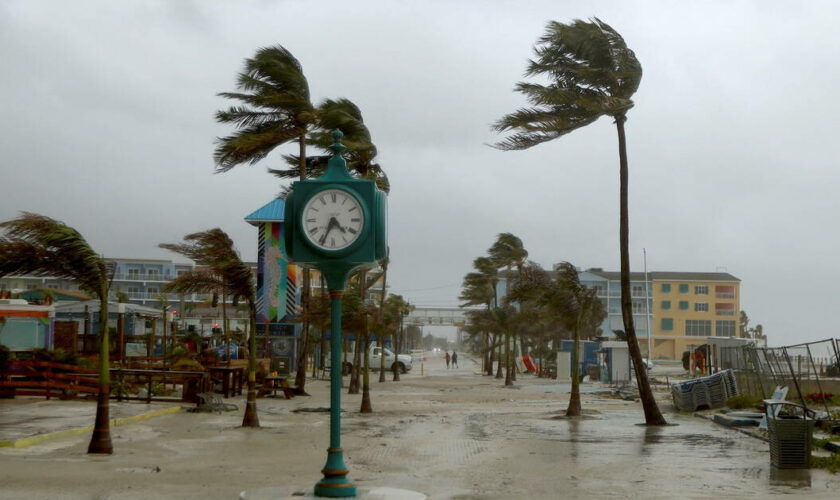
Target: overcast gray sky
[{"x": 107, "y": 124}]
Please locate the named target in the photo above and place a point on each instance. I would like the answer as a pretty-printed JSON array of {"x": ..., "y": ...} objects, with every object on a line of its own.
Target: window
[
  {"x": 701, "y": 307},
  {"x": 701, "y": 290},
  {"x": 152, "y": 292},
  {"x": 725, "y": 309},
  {"x": 698, "y": 327},
  {"x": 637, "y": 291},
  {"x": 683, "y": 287},
  {"x": 666, "y": 304},
  {"x": 599, "y": 289},
  {"x": 666, "y": 288},
  {"x": 152, "y": 273},
  {"x": 724, "y": 328},
  {"x": 666, "y": 324},
  {"x": 683, "y": 305},
  {"x": 725, "y": 291},
  {"x": 133, "y": 274},
  {"x": 638, "y": 307}
]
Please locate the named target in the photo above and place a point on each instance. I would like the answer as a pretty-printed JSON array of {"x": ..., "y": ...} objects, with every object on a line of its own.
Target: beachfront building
[{"x": 672, "y": 311}]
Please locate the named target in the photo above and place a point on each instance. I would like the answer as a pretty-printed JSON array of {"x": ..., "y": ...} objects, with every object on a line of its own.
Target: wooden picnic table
[{"x": 233, "y": 378}]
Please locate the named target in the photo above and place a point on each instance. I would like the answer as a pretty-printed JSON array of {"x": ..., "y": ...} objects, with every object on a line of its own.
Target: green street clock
[{"x": 336, "y": 223}]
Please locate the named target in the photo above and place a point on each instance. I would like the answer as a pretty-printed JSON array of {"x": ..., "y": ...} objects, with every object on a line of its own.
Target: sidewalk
[{"x": 25, "y": 421}]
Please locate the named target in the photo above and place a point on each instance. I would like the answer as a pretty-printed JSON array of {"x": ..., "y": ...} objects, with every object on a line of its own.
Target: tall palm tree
[
  {"x": 591, "y": 73},
  {"x": 36, "y": 244},
  {"x": 275, "y": 109},
  {"x": 222, "y": 269}
]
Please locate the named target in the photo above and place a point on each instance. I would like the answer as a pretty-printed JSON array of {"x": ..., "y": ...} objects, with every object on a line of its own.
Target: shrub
[
  {"x": 819, "y": 397},
  {"x": 187, "y": 365}
]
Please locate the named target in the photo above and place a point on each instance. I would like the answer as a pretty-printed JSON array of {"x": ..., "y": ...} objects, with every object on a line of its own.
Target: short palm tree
[
  {"x": 508, "y": 252},
  {"x": 36, "y": 244},
  {"x": 222, "y": 269},
  {"x": 581, "y": 309},
  {"x": 591, "y": 73}
]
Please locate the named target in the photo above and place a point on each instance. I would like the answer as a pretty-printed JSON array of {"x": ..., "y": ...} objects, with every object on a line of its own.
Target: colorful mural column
[{"x": 278, "y": 289}]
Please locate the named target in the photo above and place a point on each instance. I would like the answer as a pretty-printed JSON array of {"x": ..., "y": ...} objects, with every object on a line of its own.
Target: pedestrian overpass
[{"x": 438, "y": 316}]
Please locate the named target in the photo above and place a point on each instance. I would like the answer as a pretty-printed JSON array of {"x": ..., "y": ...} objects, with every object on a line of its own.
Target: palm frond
[{"x": 37, "y": 244}]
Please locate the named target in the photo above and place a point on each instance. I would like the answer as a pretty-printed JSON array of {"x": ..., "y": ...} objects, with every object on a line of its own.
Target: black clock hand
[{"x": 330, "y": 225}]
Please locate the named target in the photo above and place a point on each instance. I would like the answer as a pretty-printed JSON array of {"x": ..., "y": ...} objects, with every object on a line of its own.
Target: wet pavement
[{"x": 449, "y": 434}]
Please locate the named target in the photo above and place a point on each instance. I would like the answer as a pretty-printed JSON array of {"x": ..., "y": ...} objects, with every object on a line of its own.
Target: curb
[
  {"x": 736, "y": 429},
  {"x": 115, "y": 422}
]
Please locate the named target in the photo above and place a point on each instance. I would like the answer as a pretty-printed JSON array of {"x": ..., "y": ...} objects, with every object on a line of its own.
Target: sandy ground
[{"x": 448, "y": 434}]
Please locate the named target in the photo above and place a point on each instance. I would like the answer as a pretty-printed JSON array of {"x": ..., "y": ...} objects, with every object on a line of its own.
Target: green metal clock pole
[{"x": 335, "y": 482}]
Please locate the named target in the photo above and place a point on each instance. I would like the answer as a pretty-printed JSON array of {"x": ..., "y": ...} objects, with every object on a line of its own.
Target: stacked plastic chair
[{"x": 705, "y": 392}]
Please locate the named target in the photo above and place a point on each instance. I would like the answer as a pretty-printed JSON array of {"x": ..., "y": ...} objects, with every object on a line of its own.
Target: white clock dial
[{"x": 333, "y": 219}]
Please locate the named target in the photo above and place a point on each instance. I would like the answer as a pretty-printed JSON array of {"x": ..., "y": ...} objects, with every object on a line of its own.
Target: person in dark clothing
[
  {"x": 454, "y": 359},
  {"x": 447, "y": 359}
]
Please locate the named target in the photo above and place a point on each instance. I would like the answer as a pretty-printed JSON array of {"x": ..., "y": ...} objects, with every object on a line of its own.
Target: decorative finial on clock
[{"x": 337, "y": 147}]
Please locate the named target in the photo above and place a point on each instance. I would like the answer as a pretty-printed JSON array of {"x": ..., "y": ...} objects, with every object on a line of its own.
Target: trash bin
[{"x": 790, "y": 426}]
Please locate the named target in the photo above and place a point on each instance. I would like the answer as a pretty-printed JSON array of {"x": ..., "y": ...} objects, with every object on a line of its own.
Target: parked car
[{"x": 403, "y": 362}]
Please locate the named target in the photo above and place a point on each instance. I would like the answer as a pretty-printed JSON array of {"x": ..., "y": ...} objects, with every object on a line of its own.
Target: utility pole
[{"x": 647, "y": 309}]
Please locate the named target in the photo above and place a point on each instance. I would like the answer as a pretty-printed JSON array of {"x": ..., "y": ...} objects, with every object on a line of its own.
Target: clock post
[{"x": 336, "y": 224}]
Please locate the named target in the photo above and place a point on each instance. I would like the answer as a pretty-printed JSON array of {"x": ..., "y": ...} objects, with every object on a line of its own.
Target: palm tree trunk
[
  {"x": 513, "y": 366},
  {"x": 306, "y": 292},
  {"x": 501, "y": 364},
  {"x": 366, "y": 405},
  {"x": 225, "y": 334},
  {"x": 508, "y": 379},
  {"x": 100, "y": 441},
  {"x": 400, "y": 337},
  {"x": 251, "y": 419},
  {"x": 652, "y": 414},
  {"x": 490, "y": 352},
  {"x": 382, "y": 359},
  {"x": 574, "y": 400}
]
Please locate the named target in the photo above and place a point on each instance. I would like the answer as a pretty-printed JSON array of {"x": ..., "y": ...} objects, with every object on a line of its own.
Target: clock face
[{"x": 333, "y": 219}]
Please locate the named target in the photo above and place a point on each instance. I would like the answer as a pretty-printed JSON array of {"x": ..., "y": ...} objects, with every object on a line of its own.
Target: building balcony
[
  {"x": 725, "y": 295},
  {"x": 142, "y": 277}
]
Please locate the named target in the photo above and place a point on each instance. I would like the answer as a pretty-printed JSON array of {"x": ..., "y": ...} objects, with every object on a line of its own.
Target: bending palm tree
[
  {"x": 223, "y": 269},
  {"x": 276, "y": 109},
  {"x": 592, "y": 73},
  {"x": 35, "y": 244}
]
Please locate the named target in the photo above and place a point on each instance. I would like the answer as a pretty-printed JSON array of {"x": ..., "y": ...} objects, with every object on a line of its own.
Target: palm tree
[
  {"x": 222, "y": 270},
  {"x": 592, "y": 73},
  {"x": 486, "y": 267},
  {"x": 275, "y": 109},
  {"x": 36, "y": 244},
  {"x": 507, "y": 251},
  {"x": 583, "y": 310}
]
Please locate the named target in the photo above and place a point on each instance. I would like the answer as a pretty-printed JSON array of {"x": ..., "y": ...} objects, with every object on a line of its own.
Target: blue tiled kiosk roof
[{"x": 270, "y": 212}]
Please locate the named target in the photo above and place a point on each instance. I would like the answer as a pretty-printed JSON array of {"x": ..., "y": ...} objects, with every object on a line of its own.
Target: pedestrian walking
[
  {"x": 454, "y": 359},
  {"x": 447, "y": 360}
]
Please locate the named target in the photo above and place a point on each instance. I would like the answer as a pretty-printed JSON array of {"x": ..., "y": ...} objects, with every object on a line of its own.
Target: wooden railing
[{"x": 47, "y": 378}]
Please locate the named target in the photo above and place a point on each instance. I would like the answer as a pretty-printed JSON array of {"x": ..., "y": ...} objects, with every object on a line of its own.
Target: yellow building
[{"x": 688, "y": 308}]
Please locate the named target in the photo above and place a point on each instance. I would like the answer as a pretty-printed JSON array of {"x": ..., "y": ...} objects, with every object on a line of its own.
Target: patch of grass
[
  {"x": 830, "y": 463},
  {"x": 742, "y": 401}
]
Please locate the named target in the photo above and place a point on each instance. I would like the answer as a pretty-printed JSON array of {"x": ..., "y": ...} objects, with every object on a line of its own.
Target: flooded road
[{"x": 448, "y": 434}]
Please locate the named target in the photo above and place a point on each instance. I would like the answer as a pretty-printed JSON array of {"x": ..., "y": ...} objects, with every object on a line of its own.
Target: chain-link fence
[{"x": 809, "y": 369}]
